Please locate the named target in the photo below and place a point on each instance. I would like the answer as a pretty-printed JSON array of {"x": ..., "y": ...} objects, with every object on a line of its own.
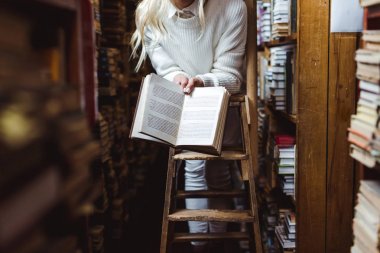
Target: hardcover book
[{"x": 166, "y": 115}]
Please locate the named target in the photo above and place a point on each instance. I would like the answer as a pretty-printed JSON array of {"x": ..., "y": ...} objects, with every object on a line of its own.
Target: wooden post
[
  {"x": 252, "y": 81},
  {"x": 340, "y": 167},
  {"x": 313, "y": 62}
]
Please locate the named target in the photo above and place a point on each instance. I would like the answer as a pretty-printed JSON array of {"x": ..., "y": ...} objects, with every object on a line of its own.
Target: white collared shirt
[{"x": 192, "y": 8}]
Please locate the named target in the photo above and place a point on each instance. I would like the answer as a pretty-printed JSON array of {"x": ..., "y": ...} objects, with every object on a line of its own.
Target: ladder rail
[{"x": 171, "y": 215}]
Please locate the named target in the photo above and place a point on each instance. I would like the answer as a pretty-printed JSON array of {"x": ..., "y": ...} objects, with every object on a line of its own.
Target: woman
[{"x": 197, "y": 43}]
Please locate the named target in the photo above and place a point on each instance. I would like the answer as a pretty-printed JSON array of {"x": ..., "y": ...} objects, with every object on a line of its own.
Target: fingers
[
  {"x": 193, "y": 82},
  {"x": 181, "y": 80},
  {"x": 190, "y": 86}
]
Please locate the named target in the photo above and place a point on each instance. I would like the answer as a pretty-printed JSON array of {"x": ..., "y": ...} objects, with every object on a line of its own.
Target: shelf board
[
  {"x": 373, "y": 11},
  {"x": 292, "y": 39},
  {"x": 64, "y": 4},
  {"x": 290, "y": 117}
]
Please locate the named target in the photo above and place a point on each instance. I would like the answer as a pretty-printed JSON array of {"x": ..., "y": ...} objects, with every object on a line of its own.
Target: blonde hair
[{"x": 151, "y": 13}]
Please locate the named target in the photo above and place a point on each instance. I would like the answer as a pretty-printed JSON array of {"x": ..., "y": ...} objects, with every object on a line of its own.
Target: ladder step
[
  {"x": 188, "y": 237},
  {"x": 226, "y": 155},
  {"x": 210, "y": 194},
  {"x": 212, "y": 215}
]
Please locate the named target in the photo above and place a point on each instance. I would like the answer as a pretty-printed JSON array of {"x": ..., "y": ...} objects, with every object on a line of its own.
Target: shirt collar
[{"x": 194, "y": 8}]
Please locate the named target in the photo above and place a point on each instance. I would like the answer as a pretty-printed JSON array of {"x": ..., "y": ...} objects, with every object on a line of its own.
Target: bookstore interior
[{"x": 307, "y": 169}]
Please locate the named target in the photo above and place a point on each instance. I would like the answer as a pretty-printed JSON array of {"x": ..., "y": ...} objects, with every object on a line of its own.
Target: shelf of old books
[
  {"x": 277, "y": 113},
  {"x": 124, "y": 162},
  {"x": 49, "y": 181},
  {"x": 363, "y": 134}
]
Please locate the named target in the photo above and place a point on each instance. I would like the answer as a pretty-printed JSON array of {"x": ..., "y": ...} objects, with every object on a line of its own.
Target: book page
[
  {"x": 200, "y": 116},
  {"x": 163, "y": 109},
  {"x": 138, "y": 118}
]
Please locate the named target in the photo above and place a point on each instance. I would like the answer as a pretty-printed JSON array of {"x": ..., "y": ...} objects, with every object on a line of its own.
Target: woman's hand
[
  {"x": 181, "y": 80},
  {"x": 193, "y": 82}
]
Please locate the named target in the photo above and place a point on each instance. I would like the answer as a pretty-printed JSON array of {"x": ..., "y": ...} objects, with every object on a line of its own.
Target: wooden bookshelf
[
  {"x": 326, "y": 87},
  {"x": 48, "y": 35},
  {"x": 62, "y": 4},
  {"x": 371, "y": 22},
  {"x": 284, "y": 115},
  {"x": 283, "y": 41}
]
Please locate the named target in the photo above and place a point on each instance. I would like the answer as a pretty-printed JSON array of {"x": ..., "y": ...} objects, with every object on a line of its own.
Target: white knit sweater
[{"x": 217, "y": 57}]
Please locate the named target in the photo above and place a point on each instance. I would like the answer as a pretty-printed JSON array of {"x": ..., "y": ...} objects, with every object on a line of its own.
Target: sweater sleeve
[
  {"x": 229, "y": 53},
  {"x": 160, "y": 59}
]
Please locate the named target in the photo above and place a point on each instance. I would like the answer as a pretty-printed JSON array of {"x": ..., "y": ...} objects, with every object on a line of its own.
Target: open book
[{"x": 194, "y": 122}]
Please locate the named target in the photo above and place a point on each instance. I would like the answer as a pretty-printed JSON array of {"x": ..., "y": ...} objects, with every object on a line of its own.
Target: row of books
[
  {"x": 276, "y": 78},
  {"x": 282, "y": 87},
  {"x": 364, "y": 138},
  {"x": 280, "y": 18},
  {"x": 124, "y": 163},
  {"x": 282, "y": 153},
  {"x": 364, "y": 134},
  {"x": 263, "y": 22},
  {"x": 278, "y": 224},
  {"x": 366, "y": 222},
  {"x": 112, "y": 208},
  {"x": 286, "y": 231},
  {"x": 277, "y": 19},
  {"x": 113, "y": 19}
]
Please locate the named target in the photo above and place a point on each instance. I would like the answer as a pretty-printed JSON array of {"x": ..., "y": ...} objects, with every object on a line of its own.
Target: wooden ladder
[{"x": 171, "y": 215}]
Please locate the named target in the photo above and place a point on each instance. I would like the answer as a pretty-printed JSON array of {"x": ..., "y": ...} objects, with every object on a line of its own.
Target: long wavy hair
[{"x": 151, "y": 13}]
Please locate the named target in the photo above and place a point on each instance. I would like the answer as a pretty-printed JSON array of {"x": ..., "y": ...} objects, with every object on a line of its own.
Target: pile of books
[
  {"x": 364, "y": 134},
  {"x": 264, "y": 22},
  {"x": 113, "y": 23},
  {"x": 263, "y": 64},
  {"x": 282, "y": 88},
  {"x": 285, "y": 157},
  {"x": 366, "y": 223},
  {"x": 268, "y": 82},
  {"x": 286, "y": 231},
  {"x": 280, "y": 19}
]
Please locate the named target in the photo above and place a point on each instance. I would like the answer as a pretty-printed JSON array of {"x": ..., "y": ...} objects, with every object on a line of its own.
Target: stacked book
[
  {"x": 282, "y": 88},
  {"x": 280, "y": 18},
  {"x": 285, "y": 152},
  {"x": 366, "y": 223},
  {"x": 264, "y": 75},
  {"x": 262, "y": 135},
  {"x": 364, "y": 134},
  {"x": 113, "y": 23},
  {"x": 264, "y": 22},
  {"x": 268, "y": 82},
  {"x": 259, "y": 5},
  {"x": 286, "y": 231}
]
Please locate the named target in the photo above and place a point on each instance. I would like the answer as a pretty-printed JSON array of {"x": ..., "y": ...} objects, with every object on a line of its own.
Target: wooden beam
[
  {"x": 313, "y": 56},
  {"x": 252, "y": 81},
  {"x": 340, "y": 169}
]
